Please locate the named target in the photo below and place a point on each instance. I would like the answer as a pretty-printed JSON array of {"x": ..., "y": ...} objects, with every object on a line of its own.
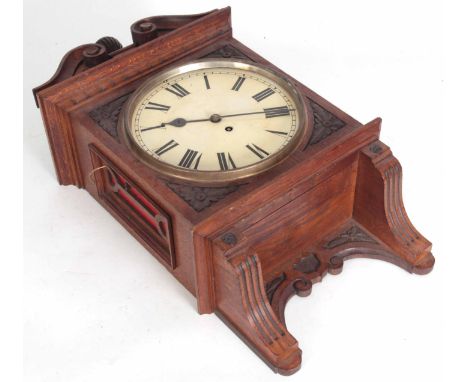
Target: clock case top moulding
[{"x": 243, "y": 250}]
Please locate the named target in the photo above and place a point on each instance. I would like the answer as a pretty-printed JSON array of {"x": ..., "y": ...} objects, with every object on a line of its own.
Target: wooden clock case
[{"x": 241, "y": 249}]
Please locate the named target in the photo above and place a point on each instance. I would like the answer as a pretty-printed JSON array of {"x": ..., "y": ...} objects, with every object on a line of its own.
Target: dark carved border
[{"x": 200, "y": 198}]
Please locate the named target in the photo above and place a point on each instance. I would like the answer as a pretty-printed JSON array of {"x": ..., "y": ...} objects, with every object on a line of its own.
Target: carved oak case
[{"x": 241, "y": 249}]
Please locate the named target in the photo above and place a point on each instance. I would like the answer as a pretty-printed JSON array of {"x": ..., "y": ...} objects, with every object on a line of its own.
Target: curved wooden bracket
[
  {"x": 377, "y": 228},
  {"x": 378, "y": 207},
  {"x": 299, "y": 280}
]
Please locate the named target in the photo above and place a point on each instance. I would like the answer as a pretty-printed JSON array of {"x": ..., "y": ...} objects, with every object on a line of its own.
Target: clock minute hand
[
  {"x": 265, "y": 111},
  {"x": 239, "y": 114},
  {"x": 178, "y": 122}
]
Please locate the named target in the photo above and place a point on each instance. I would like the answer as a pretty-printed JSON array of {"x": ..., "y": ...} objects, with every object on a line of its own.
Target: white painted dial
[{"x": 214, "y": 119}]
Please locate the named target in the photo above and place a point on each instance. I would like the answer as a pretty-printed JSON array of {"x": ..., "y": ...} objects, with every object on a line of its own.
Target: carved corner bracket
[{"x": 264, "y": 302}]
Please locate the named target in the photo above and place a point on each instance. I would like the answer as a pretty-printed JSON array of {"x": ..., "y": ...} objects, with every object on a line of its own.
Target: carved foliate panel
[
  {"x": 325, "y": 123},
  {"x": 352, "y": 234},
  {"x": 107, "y": 116}
]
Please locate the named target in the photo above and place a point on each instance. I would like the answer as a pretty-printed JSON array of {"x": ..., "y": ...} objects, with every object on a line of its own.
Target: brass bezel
[{"x": 210, "y": 177}]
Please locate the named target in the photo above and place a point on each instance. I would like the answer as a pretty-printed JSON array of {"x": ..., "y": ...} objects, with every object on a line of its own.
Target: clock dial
[{"x": 215, "y": 118}]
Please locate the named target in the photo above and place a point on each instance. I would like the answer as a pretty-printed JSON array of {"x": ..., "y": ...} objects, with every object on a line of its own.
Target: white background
[{"x": 98, "y": 307}]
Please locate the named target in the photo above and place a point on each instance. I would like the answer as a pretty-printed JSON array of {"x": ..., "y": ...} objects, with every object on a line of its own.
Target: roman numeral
[
  {"x": 157, "y": 106},
  {"x": 258, "y": 151},
  {"x": 238, "y": 83},
  {"x": 263, "y": 94},
  {"x": 277, "y": 132},
  {"x": 165, "y": 148},
  {"x": 178, "y": 90},
  {"x": 207, "y": 83},
  {"x": 276, "y": 111},
  {"x": 188, "y": 159},
  {"x": 224, "y": 163}
]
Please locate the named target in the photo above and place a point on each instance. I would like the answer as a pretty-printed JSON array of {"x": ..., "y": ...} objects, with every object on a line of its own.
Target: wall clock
[{"x": 247, "y": 186}]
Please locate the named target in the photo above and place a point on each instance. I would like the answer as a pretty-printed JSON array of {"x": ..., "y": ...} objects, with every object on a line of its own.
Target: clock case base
[{"x": 242, "y": 250}]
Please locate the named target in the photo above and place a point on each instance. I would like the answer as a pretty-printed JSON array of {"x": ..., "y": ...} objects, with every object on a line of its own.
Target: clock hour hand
[
  {"x": 181, "y": 122},
  {"x": 178, "y": 122}
]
